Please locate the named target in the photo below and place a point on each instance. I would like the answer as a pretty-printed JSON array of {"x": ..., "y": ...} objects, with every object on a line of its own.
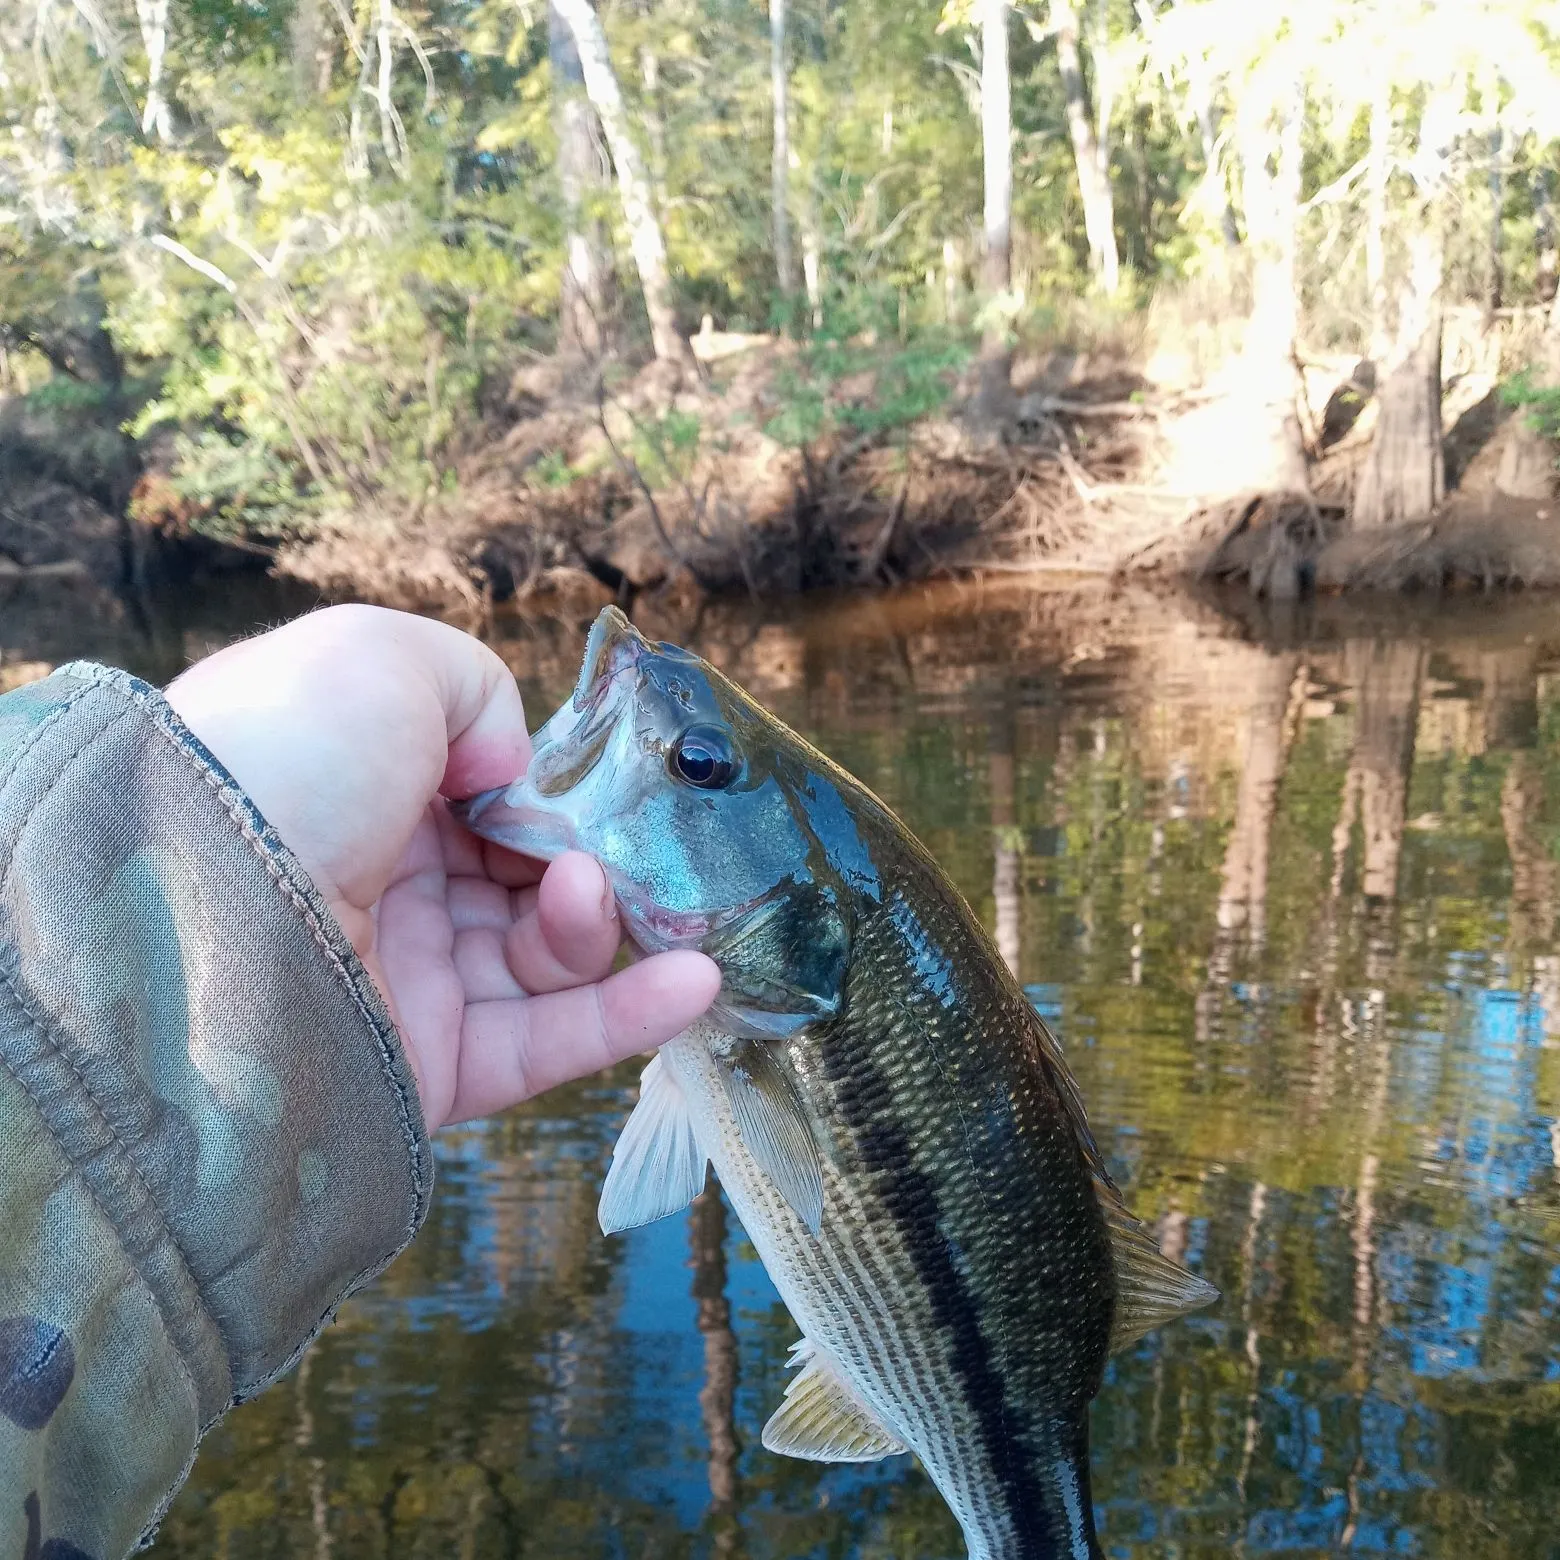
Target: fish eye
[{"x": 704, "y": 757}]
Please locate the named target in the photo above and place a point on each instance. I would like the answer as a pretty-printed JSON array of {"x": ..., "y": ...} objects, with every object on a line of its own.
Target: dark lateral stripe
[{"x": 910, "y": 1200}]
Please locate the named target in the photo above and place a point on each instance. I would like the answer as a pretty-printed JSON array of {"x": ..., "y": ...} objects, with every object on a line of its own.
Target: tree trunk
[
  {"x": 1377, "y": 175},
  {"x": 1212, "y": 189},
  {"x": 583, "y": 305},
  {"x": 1528, "y": 460},
  {"x": 1404, "y": 475},
  {"x": 1270, "y": 448},
  {"x": 1089, "y": 154},
  {"x": 780, "y": 155},
  {"x": 1546, "y": 280},
  {"x": 644, "y": 228},
  {"x": 1497, "y": 270},
  {"x": 996, "y": 127},
  {"x": 812, "y": 263},
  {"x": 655, "y": 127},
  {"x": 309, "y": 44},
  {"x": 153, "y": 17}
]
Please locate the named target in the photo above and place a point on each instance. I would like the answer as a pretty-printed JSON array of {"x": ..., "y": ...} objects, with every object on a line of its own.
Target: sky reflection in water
[{"x": 1289, "y": 905}]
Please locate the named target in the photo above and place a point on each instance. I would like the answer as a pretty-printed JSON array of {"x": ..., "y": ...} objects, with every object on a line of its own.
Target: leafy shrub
[
  {"x": 906, "y": 385},
  {"x": 1541, "y": 403}
]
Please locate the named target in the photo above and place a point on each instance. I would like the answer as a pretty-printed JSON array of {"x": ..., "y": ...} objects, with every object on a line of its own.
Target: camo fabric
[{"x": 209, "y": 1135}]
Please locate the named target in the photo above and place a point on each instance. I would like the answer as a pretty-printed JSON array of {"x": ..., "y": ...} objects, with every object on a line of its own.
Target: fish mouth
[{"x": 530, "y": 815}]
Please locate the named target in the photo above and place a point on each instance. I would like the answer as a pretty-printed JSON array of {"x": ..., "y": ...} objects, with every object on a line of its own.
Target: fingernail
[{"x": 608, "y": 898}]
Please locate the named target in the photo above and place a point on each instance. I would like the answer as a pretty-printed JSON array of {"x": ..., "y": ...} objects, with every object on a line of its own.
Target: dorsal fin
[
  {"x": 1150, "y": 1288},
  {"x": 1067, "y": 1091},
  {"x": 822, "y": 1420}
]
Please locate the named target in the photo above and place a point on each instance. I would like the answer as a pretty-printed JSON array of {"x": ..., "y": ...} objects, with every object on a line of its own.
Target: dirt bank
[{"x": 786, "y": 468}]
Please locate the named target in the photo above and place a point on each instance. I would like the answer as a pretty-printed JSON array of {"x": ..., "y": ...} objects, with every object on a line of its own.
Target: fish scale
[
  {"x": 992, "y": 1199},
  {"x": 891, "y": 1120},
  {"x": 871, "y": 1315}
]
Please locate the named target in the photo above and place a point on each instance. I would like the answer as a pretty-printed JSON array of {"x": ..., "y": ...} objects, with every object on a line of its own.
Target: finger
[
  {"x": 483, "y": 967},
  {"x": 572, "y": 934},
  {"x": 509, "y": 867},
  {"x": 462, "y": 849},
  {"x": 513, "y": 1050},
  {"x": 343, "y": 724},
  {"x": 476, "y": 902}
]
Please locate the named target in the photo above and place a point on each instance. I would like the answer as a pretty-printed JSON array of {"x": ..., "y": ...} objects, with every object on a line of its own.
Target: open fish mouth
[{"x": 530, "y": 816}]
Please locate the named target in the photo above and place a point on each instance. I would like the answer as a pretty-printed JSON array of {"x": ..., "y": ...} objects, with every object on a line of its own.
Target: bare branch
[{"x": 211, "y": 272}]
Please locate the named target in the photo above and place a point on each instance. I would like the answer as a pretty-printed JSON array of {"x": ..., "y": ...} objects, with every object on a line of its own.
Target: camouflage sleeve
[{"x": 209, "y": 1134}]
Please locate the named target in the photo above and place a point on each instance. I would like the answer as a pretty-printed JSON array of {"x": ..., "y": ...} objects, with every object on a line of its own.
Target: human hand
[{"x": 347, "y": 728}]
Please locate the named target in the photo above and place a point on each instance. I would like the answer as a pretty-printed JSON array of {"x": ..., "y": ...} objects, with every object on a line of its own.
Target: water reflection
[{"x": 1288, "y": 893}]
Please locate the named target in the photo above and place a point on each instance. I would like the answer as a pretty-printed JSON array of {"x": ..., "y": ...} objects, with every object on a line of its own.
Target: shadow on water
[{"x": 1286, "y": 888}]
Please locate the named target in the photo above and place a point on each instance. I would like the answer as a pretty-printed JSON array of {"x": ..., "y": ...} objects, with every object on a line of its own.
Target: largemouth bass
[{"x": 890, "y": 1118}]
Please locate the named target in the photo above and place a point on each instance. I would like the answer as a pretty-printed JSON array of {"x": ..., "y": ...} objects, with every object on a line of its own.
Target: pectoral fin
[
  {"x": 773, "y": 1127},
  {"x": 1150, "y": 1288},
  {"x": 823, "y": 1420},
  {"x": 657, "y": 1167}
]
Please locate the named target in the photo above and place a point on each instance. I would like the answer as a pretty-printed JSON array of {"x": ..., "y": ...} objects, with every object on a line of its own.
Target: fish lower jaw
[
  {"x": 656, "y": 929},
  {"x": 508, "y": 818}
]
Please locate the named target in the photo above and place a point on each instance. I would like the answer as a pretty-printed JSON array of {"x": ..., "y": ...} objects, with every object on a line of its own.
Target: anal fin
[
  {"x": 822, "y": 1420},
  {"x": 657, "y": 1167}
]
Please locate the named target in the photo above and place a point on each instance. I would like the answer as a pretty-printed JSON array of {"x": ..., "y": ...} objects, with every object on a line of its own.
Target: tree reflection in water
[
  {"x": 718, "y": 1396},
  {"x": 1289, "y": 900}
]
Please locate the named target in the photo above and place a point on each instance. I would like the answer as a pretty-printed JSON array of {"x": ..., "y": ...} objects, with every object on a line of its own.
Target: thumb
[{"x": 343, "y": 724}]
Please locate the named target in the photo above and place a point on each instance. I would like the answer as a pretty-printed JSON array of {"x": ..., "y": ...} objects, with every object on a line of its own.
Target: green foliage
[
  {"x": 665, "y": 448},
  {"x": 833, "y": 386},
  {"x": 59, "y": 395},
  {"x": 353, "y": 234},
  {"x": 553, "y": 471},
  {"x": 1540, "y": 403}
]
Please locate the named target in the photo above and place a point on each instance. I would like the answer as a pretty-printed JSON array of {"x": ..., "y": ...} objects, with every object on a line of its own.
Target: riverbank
[
  {"x": 787, "y": 469},
  {"x": 782, "y": 468}
]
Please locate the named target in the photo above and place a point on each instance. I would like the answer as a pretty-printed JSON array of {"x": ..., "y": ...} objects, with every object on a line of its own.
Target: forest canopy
[{"x": 310, "y": 243}]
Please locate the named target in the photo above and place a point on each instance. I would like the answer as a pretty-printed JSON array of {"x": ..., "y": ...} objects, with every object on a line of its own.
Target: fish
[{"x": 888, "y": 1115}]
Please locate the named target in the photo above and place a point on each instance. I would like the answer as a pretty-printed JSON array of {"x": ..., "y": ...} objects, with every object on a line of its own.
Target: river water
[{"x": 1287, "y": 892}]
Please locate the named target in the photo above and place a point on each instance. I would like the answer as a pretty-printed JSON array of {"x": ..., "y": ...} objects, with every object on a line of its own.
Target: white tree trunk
[
  {"x": 780, "y": 152},
  {"x": 1497, "y": 182},
  {"x": 1378, "y": 173},
  {"x": 1404, "y": 475},
  {"x": 655, "y": 127},
  {"x": 582, "y": 309},
  {"x": 1089, "y": 154},
  {"x": 812, "y": 265},
  {"x": 644, "y": 228},
  {"x": 153, "y": 17},
  {"x": 311, "y": 47},
  {"x": 996, "y": 127},
  {"x": 1546, "y": 281},
  {"x": 1268, "y": 382}
]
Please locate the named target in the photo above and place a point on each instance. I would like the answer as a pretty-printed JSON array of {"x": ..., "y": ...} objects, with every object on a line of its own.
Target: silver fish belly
[{"x": 876, "y": 1378}]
